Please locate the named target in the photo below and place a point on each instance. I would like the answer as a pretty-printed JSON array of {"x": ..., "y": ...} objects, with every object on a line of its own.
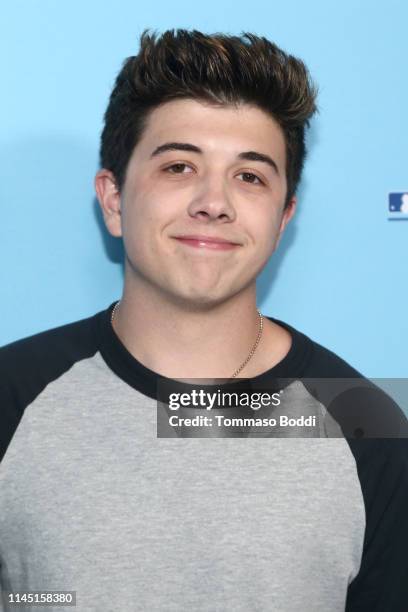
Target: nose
[{"x": 212, "y": 201}]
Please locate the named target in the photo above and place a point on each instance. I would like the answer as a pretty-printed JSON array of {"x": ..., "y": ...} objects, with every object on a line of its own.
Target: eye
[
  {"x": 251, "y": 176},
  {"x": 176, "y": 168}
]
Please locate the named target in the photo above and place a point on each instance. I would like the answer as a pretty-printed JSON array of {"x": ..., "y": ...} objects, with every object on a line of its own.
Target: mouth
[{"x": 207, "y": 242}]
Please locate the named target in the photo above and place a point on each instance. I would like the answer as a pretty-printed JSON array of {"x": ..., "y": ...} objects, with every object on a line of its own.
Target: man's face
[{"x": 173, "y": 199}]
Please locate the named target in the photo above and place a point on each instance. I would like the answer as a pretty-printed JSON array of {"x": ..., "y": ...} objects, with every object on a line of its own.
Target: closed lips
[{"x": 212, "y": 239}]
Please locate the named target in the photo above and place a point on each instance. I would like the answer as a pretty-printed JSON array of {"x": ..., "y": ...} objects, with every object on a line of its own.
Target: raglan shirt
[{"x": 93, "y": 501}]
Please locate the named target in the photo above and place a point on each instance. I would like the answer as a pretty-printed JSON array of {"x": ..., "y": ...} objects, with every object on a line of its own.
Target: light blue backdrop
[{"x": 340, "y": 274}]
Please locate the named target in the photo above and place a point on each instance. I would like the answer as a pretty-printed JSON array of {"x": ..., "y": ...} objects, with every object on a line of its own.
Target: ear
[
  {"x": 109, "y": 199},
  {"x": 286, "y": 217}
]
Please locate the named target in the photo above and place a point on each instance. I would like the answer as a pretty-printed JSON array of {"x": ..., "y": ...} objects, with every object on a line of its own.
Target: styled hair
[{"x": 219, "y": 69}]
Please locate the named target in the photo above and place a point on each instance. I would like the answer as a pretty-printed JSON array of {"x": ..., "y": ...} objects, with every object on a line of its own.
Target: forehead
[{"x": 226, "y": 129}]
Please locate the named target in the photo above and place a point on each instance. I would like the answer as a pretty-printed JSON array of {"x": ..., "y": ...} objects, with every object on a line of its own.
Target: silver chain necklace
[{"x": 251, "y": 352}]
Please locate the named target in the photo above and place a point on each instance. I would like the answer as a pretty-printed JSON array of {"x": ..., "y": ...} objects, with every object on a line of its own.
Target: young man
[{"x": 201, "y": 153}]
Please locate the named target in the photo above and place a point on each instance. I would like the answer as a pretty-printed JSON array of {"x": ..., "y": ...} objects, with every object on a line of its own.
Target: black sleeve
[
  {"x": 376, "y": 430},
  {"x": 382, "y": 582}
]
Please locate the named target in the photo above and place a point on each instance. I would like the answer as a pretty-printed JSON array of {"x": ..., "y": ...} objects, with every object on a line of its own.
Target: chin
[{"x": 198, "y": 301}]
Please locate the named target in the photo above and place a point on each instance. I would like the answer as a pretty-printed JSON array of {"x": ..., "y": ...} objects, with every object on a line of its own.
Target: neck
[{"x": 178, "y": 341}]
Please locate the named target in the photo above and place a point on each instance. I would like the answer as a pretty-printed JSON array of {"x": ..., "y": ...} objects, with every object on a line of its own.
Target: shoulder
[
  {"x": 28, "y": 365},
  {"x": 356, "y": 403},
  {"x": 47, "y": 352},
  {"x": 308, "y": 358},
  {"x": 324, "y": 362}
]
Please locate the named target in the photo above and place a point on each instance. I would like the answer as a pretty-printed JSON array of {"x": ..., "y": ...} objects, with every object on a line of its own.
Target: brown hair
[{"x": 217, "y": 68}]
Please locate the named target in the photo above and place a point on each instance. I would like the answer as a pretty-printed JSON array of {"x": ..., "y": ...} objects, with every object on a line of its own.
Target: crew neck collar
[{"x": 144, "y": 380}]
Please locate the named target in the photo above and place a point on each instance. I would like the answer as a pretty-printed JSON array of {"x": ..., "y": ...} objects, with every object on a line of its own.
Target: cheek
[
  {"x": 143, "y": 220},
  {"x": 136, "y": 223},
  {"x": 264, "y": 230}
]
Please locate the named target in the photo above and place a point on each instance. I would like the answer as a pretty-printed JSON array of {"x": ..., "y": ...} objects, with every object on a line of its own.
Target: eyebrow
[{"x": 185, "y": 146}]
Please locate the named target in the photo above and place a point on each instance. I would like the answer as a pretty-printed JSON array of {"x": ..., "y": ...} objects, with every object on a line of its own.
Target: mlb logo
[{"x": 398, "y": 205}]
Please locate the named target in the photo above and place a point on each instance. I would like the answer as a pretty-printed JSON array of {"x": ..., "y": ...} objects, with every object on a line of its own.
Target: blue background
[{"x": 340, "y": 272}]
